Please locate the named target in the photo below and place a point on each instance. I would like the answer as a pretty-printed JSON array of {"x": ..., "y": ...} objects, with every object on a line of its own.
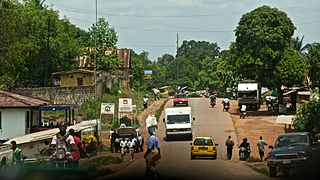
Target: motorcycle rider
[
  {"x": 243, "y": 109},
  {"x": 225, "y": 102},
  {"x": 246, "y": 146},
  {"x": 64, "y": 140},
  {"x": 212, "y": 98}
]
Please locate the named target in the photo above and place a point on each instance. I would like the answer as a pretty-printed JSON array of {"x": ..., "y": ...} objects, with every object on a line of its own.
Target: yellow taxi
[{"x": 203, "y": 147}]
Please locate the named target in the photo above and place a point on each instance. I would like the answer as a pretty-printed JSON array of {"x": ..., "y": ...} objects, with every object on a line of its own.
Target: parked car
[
  {"x": 180, "y": 99},
  {"x": 292, "y": 150},
  {"x": 131, "y": 133},
  {"x": 203, "y": 147}
]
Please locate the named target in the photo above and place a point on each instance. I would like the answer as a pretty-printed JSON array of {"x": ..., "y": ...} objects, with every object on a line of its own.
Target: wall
[
  {"x": 13, "y": 123},
  {"x": 60, "y": 95},
  {"x": 68, "y": 80}
]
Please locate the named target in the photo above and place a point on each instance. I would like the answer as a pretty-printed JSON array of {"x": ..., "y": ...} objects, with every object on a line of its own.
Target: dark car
[
  {"x": 131, "y": 133},
  {"x": 292, "y": 150},
  {"x": 180, "y": 99}
]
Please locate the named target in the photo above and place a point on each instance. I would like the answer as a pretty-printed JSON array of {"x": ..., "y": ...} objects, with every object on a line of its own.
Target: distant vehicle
[
  {"x": 178, "y": 122},
  {"x": 292, "y": 150},
  {"x": 249, "y": 94},
  {"x": 180, "y": 99},
  {"x": 166, "y": 90},
  {"x": 203, "y": 147},
  {"x": 131, "y": 133}
]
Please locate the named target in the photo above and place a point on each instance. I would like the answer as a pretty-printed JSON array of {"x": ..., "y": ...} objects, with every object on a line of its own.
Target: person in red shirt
[{"x": 76, "y": 149}]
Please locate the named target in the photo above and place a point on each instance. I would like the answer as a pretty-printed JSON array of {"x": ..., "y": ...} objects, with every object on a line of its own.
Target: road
[{"x": 176, "y": 162}]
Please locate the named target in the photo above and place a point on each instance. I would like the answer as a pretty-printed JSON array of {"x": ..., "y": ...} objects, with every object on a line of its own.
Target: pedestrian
[
  {"x": 155, "y": 91},
  {"x": 145, "y": 102},
  {"x": 261, "y": 143},
  {"x": 152, "y": 155},
  {"x": 158, "y": 94},
  {"x": 229, "y": 144},
  {"x": 75, "y": 153},
  {"x": 17, "y": 157}
]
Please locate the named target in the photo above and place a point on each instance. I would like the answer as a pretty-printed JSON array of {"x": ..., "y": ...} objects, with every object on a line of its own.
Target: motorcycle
[
  {"x": 243, "y": 114},
  {"x": 226, "y": 107},
  {"x": 212, "y": 103},
  {"x": 60, "y": 159},
  {"x": 244, "y": 153},
  {"x": 269, "y": 107}
]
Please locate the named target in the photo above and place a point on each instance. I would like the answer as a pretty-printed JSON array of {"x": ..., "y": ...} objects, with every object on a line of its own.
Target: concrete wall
[
  {"x": 60, "y": 95},
  {"x": 13, "y": 123}
]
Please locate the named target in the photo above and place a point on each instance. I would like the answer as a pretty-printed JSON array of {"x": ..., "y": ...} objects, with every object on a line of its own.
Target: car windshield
[
  {"x": 127, "y": 132},
  {"x": 291, "y": 140},
  {"x": 183, "y": 118},
  {"x": 180, "y": 96},
  {"x": 203, "y": 142}
]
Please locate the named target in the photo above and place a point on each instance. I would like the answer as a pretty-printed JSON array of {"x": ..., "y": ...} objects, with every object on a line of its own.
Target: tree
[
  {"x": 307, "y": 118},
  {"x": 263, "y": 51},
  {"x": 102, "y": 37},
  {"x": 313, "y": 58}
]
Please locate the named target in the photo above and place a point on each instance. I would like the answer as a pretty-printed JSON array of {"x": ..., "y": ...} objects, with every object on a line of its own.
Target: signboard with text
[
  {"x": 125, "y": 104},
  {"x": 107, "y": 108},
  {"x": 147, "y": 74}
]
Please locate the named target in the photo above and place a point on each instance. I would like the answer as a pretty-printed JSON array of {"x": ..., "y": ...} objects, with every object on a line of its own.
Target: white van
[{"x": 178, "y": 122}]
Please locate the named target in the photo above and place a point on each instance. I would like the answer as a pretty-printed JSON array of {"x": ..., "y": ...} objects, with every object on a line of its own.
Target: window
[{"x": 79, "y": 81}]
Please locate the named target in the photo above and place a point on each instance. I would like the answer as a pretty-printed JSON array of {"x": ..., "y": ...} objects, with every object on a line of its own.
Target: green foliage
[
  {"x": 48, "y": 42},
  {"x": 100, "y": 161},
  {"x": 159, "y": 111},
  {"x": 263, "y": 51},
  {"x": 313, "y": 59},
  {"x": 90, "y": 109},
  {"x": 307, "y": 118}
]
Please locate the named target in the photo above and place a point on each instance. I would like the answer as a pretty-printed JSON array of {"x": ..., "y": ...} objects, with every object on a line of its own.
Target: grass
[{"x": 159, "y": 111}]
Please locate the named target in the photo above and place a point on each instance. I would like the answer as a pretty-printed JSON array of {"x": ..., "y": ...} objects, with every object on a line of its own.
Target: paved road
[{"x": 176, "y": 162}]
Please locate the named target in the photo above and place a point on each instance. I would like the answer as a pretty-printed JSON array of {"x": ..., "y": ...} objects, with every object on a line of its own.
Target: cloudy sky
[{"x": 153, "y": 25}]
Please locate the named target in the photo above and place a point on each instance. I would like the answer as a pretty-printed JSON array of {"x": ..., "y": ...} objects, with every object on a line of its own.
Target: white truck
[
  {"x": 178, "y": 122},
  {"x": 249, "y": 94}
]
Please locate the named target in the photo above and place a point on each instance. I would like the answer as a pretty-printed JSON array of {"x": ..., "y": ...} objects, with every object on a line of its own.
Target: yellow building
[{"x": 73, "y": 78}]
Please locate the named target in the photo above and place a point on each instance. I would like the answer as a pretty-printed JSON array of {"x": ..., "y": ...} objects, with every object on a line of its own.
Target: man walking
[
  {"x": 229, "y": 144},
  {"x": 152, "y": 155},
  {"x": 261, "y": 143}
]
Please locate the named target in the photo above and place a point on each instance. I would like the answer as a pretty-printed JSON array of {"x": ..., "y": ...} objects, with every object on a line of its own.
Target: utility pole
[
  {"x": 95, "y": 53},
  {"x": 177, "y": 41}
]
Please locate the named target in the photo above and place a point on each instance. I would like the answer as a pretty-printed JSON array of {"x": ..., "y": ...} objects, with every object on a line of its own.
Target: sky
[{"x": 159, "y": 26}]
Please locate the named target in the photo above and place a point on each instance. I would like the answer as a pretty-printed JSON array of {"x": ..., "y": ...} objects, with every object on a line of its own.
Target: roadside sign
[
  {"x": 107, "y": 108},
  {"x": 147, "y": 74},
  {"x": 125, "y": 105}
]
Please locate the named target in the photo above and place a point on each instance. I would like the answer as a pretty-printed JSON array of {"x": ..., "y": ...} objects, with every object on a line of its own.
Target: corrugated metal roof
[
  {"x": 74, "y": 71},
  {"x": 8, "y": 99}
]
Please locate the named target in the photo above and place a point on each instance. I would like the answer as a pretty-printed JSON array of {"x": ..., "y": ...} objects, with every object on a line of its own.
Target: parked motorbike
[
  {"x": 269, "y": 107},
  {"x": 244, "y": 153}
]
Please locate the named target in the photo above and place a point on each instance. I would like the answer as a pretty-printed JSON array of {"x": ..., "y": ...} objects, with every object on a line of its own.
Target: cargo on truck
[
  {"x": 249, "y": 94},
  {"x": 178, "y": 122}
]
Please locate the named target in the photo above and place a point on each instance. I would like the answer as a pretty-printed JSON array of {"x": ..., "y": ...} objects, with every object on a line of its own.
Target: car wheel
[
  {"x": 192, "y": 157},
  {"x": 272, "y": 171}
]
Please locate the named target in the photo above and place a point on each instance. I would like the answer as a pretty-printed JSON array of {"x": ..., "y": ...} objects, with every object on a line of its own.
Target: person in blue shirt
[{"x": 152, "y": 155}]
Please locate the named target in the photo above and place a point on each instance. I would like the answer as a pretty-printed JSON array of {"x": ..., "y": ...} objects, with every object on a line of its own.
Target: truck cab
[
  {"x": 6, "y": 155},
  {"x": 178, "y": 122}
]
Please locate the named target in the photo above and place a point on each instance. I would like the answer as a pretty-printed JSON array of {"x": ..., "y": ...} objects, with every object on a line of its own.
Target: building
[
  {"x": 21, "y": 115},
  {"x": 74, "y": 78},
  {"x": 18, "y": 114}
]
